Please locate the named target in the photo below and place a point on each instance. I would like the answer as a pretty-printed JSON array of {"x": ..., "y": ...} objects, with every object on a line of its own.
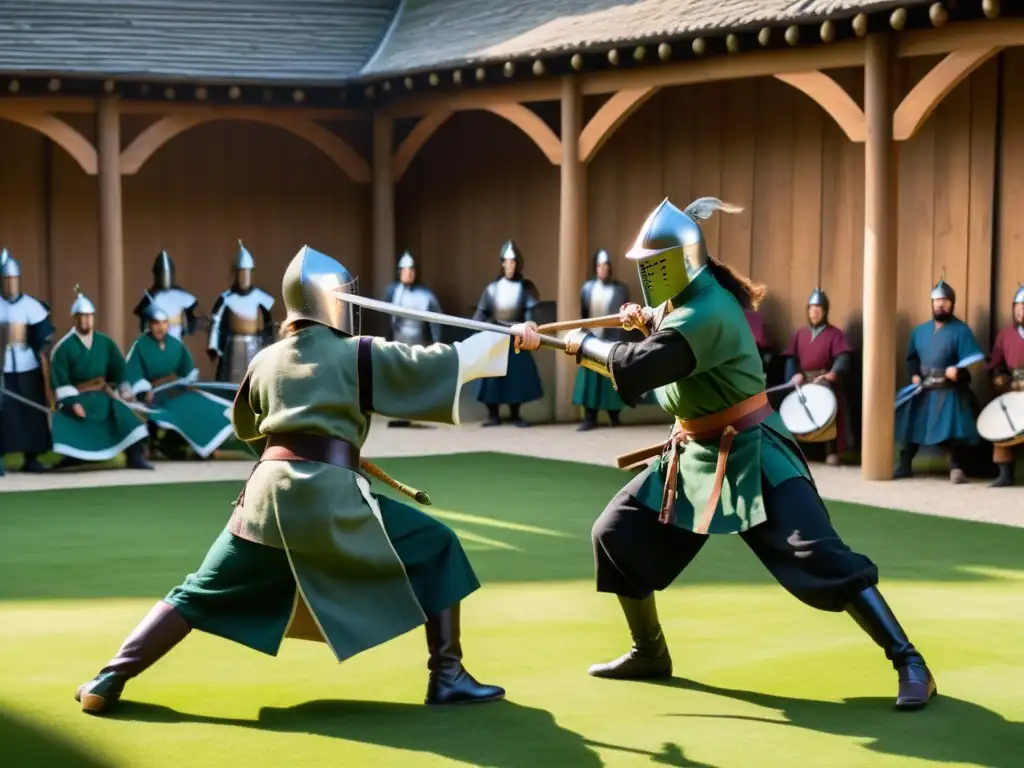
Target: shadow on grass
[
  {"x": 499, "y": 735},
  {"x": 29, "y": 746},
  {"x": 949, "y": 731},
  {"x": 521, "y": 519}
]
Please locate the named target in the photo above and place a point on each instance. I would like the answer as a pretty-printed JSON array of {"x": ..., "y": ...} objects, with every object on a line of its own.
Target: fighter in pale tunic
[
  {"x": 510, "y": 299},
  {"x": 159, "y": 361},
  {"x": 28, "y": 332},
  {"x": 88, "y": 376},
  {"x": 240, "y": 324},
  {"x": 602, "y": 295},
  {"x": 819, "y": 353},
  {"x": 945, "y": 412},
  {"x": 180, "y": 305},
  {"x": 310, "y": 552},
  {"x": 1007, "y": 369},
  {"x": 731, "y": 465}
]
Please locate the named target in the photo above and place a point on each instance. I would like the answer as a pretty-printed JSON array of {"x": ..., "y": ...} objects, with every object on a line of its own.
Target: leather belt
[
  {"x": 723, "y": 425},
  {"x": 936, "y": 382},
  {"x": 812, "y": 375},
  {"x": 304, "y": 446},
  {"x": 92, "y": 385},
  {"x": 163, "y": 380}
]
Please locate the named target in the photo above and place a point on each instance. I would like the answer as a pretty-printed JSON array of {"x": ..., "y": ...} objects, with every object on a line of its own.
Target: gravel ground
[{"x": 926, "y": 495}]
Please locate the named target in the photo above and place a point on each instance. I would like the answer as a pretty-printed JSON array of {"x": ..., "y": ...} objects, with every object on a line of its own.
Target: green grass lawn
[{"x": 762, "y": 680}]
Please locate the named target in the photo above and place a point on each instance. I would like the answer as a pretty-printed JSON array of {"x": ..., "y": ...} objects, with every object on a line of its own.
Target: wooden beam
[
  {"x": 159, "y": 133},
  {"x": 918, "y": 105},
  {"x": 609, "y": 117},
  {"x": 757, "y": 64},
  {"x": 59, "y": 132},
  {"x": 833, "y": 98},
  {"x": 76, "y": 105},
  {"x": 529, "y": 123},
  {"x": 880, "y": 273},
  {"x": 462, "y": 101},
  {"x": 111, "y": 233},
  {"x": 413, "y": 143},
  {"x": 383, "y": 267},
  {"x": 572, "y": 237},
  {"x": 985, "y": 33}
]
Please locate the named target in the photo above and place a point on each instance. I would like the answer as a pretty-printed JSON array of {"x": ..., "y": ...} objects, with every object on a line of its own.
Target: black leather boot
[
  {"x": 518, "y": 420},
  {"x": 613, "y": 417},
  {"x": 648, "y": 659},
  {"x": 904, "y": 468},
  {"x": 916, "y": 684},
  {"x": 493, "y": 416},
  {"x": 589, "y": 421},
  {"x": 1005, "y": 478},
  {"x": 450, "y": 682},
  {"x": 162, "y": 629},
  {"x": 136, "y": 457},
  {"x": 32, "y": 464}
]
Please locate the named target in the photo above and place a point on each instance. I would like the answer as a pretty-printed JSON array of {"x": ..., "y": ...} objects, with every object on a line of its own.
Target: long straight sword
[
  {"x": 439, "y": 317},
  {"x": 4, "y": 392}
]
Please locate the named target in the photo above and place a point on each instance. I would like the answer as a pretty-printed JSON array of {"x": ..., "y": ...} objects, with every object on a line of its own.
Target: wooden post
[
  {"x": 880, "y": 217},
  {"x": 383, "y": 267},
  {"x": 111, "y": 235},
  {"x": 572, "y": 238}
]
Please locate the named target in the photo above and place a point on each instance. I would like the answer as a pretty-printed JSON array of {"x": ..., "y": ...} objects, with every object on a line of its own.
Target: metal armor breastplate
[
  {"x": 241, "y": 350},
  {"x": 602, "y": 297},
  {"x": 508, "y": 300},
  {"x": 175, "y": 301},
  {"x": 404, "y": 329},
  {"x": 245, "y": 317},
  {"x": 18, "y": 356}
]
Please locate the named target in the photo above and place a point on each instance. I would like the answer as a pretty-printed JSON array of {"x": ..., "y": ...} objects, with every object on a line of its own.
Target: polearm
[
  {"x": 911, "y": 391},
  {"x": 440, "y": 318}
]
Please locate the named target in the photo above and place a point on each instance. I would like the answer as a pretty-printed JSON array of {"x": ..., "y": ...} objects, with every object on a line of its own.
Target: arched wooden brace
[
  {"x": 61, "y": 134},
  {"x": 609, "y": 117},
  {"x": 833, "y": 98},
  {"x": 918, "y": 105},
  {"x": 134, "y": 156},
  {"x": 521, "y": 117}
]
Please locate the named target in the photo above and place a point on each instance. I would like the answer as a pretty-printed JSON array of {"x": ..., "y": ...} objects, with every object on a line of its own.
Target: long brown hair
[{"x": 748, "y": 293}]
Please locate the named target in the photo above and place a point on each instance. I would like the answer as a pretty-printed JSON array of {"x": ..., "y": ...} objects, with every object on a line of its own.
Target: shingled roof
[
  {"x": 267, "y": 41},
  {"x": 450, "y": 33}
]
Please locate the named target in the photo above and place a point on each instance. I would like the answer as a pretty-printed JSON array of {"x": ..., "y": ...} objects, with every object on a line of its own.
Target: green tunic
[
  {"x": 354, "y": 585},
  {"x": 728, "y": 371},
  {"x": 109, "y": 426},
  {"x": 202, "y": 419}
]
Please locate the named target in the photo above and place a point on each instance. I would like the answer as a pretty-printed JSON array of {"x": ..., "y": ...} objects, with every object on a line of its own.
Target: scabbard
[{"x": 642, "y": 454}]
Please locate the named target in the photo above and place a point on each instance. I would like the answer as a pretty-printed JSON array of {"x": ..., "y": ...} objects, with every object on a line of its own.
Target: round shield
[
  {"x": 808, "y": 410},
  {"x": 1002, "y": 420}
]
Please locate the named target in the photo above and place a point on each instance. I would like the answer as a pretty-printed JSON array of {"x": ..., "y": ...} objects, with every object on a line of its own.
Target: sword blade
[
  {"x": 437, "y": 317},
  {"x": 4, "y": 392}
]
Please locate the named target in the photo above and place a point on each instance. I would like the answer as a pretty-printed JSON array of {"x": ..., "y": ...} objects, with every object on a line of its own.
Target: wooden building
[{"x": 875, "y": 145}]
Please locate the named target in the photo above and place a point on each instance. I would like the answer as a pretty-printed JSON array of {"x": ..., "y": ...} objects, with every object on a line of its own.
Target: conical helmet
[
  {"x": 818, "y": 299},
  {"x": 943, "y": 290},
  {"x": 670, "y": 250},
  {"x": 4, "y": 256},
  {"x": 407, "y": 261},
  {"x": 243, "y": 259},
  {"x": 82, "y": 305},
  {"x": 10, "y": 276},
  {"x": 163, "y": 270},
  {"x": 309, "y": 287},
  {"x": 1018, "y": 298},
  {"x": 155, "y": 313},
  {"x": 510, "y": 252},
  {"x": 602, "y": 257}
]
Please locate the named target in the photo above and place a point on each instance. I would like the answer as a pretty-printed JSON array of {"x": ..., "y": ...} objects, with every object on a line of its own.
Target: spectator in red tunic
[
  {"x": 1007, "y": 369},
  {"x": 819, "y": 353}
]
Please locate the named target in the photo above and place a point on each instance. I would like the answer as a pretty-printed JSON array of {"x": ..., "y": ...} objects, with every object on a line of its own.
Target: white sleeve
[
  {"x": 36, "y": 312},
  {"x": 483, "y": 355}
]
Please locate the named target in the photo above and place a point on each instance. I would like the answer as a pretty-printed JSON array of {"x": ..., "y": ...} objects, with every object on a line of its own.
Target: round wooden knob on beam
[
  {"x": 764, "y": 37},
  {"x": 234, "y": 92},
  {"x": 860, "y": 24},
  {"x": 53, "y": 85},
  {"x": 828, "y": 31},
  {"x": 268, "y": 95},
  {"x": 898, "y": 19},
  {"x": 298, "y": 96},
  {"x": 991, "y": 8},
  {"x": 168, "y": 93},
  {"x": 144, "y": 89},
  {"x": 457, "y": 76},
  {"x": 664, "y": 51},
  {"x": 699, "y": 46},
  {"x": 793, "y": 35},
  {"x": 538, "y": 67},
  {"x": 201, "y": 93},
  {"x": 938, "y": 14},
  {"x": 409, "y": 84},
  {"x": 433, "y": 79},
  {"x": 613, "y": 57},
  {"x": 639, "y": 53},
  {"x": 385, "y": 86},
  {"x": 732, "y": 43},
  {"x": 576, "y": 62},
  {"x": 480, "y": 74},
  {"x": 14, "y": 86},
  {"x": 509, "y": 69},
  {"x": 108, "y": 86},
  {"x": 368, "y": 91}
]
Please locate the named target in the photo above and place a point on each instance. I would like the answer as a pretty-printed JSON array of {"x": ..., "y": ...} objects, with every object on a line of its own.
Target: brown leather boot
[
  {"x": 162, "y": 629},
  {"x": 916, "y": 684},
  {"x": 648, "y": 659},
  {"x": 450, "y": 682}
]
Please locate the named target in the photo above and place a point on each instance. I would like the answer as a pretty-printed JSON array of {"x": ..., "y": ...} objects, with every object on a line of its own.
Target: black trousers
[{"x": 635, "y": 554}]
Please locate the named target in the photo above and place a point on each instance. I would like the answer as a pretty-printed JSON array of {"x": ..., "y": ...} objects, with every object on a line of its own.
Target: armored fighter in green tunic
[
  {"x": 92, "y": 423},
  {"x": 160, "y": 368},
  {"x": 310, "y": 551},
  {"x": 730, "y": 465}
]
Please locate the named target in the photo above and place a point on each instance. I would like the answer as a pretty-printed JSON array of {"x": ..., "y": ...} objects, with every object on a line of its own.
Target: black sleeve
[
  {"x": 841, "y": 366},
  {"x": 191, "y": 321},
  {"x": 792, "y": 367},
  {"x": 963, "y": 378},
  {"x": 268, "y": 325},
  {"x": 662, "y": 358}
]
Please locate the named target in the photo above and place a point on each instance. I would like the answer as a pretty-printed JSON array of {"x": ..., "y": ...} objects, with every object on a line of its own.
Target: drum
[
  {"x": 809, "y": 412},
  {"x": 1001, "y": 422}
]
